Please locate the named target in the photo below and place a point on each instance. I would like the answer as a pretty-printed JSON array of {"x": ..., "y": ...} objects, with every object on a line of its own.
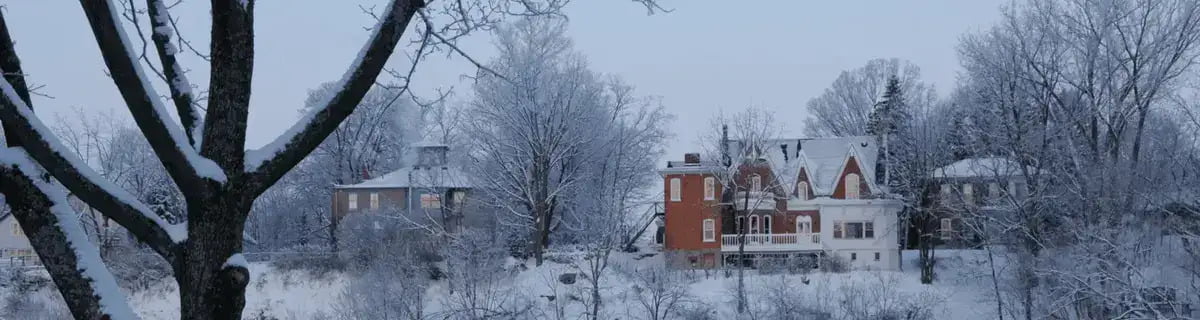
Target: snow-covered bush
[
  {"x": 136, "y": 268},
  {"x": 660, "y": 293},
  {"x": 479, "y": 287},
  {"x": 384, "y": 292},
  {"x": 879, "y": 298}
]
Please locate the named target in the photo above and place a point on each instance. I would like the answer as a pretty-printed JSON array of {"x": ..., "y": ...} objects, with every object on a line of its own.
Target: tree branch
[
  {"x": 25, "y": 130},
  {"x": 232, "y": 49},
  {"x": 41, "y": 208},
  {"x": 272, "y": 161},
  {"x": 185, "y": 166},
  {"x": 177, "y": 81}
]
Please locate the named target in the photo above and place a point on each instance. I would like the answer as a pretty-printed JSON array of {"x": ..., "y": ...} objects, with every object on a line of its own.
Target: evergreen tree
[{"x": 888, "y": 122}]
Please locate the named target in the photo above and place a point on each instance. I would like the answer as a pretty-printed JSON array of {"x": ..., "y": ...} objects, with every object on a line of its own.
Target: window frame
[
  {"x": 754, "y": 229},
  {"x": 352, "y": 200},
  {"x": 968, "y": 194},
  {"x": 877, "y": 256},
  {"x": 842, "y": 230},
  {"x": 675, "y": 192},
  {"x": 856, "y": 186},
  {"x": 710, "y": 188},
  {"x": 756, "y": 183},
  {"x": 803, "y": 225},
  {"x": 802, "y": 190},
  {"x": 946, "y": 229},
  {"x": 709, "y": 230},
  {"x": 766, "y": 223},
  {"x": 374, "y": 198}
]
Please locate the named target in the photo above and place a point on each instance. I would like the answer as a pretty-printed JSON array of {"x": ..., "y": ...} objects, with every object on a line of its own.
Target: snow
[
  {"x": 436, "y": 177},
  {"x": 979, "y": 167},
  {"x": 823, "y": 160},
  {"x": 180, "y": 81},
  {"x": 255, "y": 158},
  {"x": 178, "y": 233},
  {"x": 112, "y": 300},
  {"x": 235, "y": 260},
  {"x": 203, "y": 167}
]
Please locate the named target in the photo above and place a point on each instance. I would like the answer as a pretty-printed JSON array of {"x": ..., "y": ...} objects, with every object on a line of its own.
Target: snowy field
[{"x": 961, "y": 291}]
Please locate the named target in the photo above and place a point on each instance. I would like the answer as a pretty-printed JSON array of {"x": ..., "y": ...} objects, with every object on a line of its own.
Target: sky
[{"x": 703, "y": 57}]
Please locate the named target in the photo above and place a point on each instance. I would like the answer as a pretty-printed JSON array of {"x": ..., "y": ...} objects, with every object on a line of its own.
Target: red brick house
[{"x": 808, "y": 198}]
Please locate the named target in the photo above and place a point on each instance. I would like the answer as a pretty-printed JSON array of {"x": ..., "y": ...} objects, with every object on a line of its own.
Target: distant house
[
  {"x": 14, "y": 246},
  {"x": 814, "y": 199},
  {"x": 430, "y": 191},
  {"x": 972, "y": 188}
]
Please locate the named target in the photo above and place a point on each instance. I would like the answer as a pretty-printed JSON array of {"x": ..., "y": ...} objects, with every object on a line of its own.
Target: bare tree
[
  {"x": 844, "y": 108},
  {"x": 205, "y": 158},
  {"x": 747, "y": 183}
]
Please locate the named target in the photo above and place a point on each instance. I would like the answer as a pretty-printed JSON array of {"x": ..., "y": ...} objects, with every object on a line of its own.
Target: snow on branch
[
  {"x": 270, "y": 162},
  {"x": 115, "y": 202},
  {"x": 177, "y": 81},
  {"x": 181, "y": 160},
  {"x": 45, "y": 214}
]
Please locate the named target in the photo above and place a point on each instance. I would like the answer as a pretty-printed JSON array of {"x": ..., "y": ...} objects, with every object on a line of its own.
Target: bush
[
  {"x": 835, "y": 264},
  {"x": 318, "y": 266},
  {"x": 135, "y": 268}
]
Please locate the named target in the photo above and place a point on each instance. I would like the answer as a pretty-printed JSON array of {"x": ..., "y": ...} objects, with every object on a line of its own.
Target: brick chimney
[{"x": 691, "y": 158}]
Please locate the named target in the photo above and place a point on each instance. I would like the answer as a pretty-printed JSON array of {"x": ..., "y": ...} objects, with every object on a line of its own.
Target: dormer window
[
  {"x": 755, "y": 183},
  {"x": 802, "y": 190},
  {"x": 853, "y": 183}
]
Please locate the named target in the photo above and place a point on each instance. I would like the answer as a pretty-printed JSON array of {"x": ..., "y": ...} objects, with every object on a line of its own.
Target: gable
[{"x": 851, "y": 166}]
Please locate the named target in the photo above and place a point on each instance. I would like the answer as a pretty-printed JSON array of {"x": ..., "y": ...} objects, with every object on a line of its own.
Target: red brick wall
[
  {"x": 685, "y": 219},
  {"x": 839, "y": 192}
]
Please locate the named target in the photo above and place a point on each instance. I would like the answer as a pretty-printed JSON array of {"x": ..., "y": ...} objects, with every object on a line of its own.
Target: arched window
[
  {"x": 738, "y": 224},
  {"x": 853, "y": 183},
  {"x": 675, "y": 196},
  {"x": 755, "y": 183},
  {"x": 803, "y": 224},
  {"x": 802, "y": 190},
  {"x": 753, "y": 225},
  {"x": 766, "y": 224},
  {"x": 710, "y": 188}
]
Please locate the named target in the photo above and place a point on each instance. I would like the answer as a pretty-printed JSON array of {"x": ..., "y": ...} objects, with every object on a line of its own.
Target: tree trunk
[{"x": 208, "y": 288}]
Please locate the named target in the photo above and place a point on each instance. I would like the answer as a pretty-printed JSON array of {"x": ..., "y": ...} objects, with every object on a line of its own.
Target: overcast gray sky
[{"x": 705, "y": 56}]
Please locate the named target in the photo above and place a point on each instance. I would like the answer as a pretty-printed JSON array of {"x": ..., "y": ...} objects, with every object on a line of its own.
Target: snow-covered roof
[
  {"x": 419, "y": 177},
  {"x": 979, "y": 167},
  {"x": 823, "y": 160}
]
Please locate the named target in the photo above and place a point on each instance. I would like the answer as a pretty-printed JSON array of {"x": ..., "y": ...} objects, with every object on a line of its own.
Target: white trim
[
  {"x": 710, "y": 188},
  {"x": 709, "y": 230},
  {"x": 676, "y": 193}
]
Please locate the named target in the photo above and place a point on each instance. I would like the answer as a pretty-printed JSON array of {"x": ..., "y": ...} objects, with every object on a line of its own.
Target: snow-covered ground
[{"x": 961, "y": 291}]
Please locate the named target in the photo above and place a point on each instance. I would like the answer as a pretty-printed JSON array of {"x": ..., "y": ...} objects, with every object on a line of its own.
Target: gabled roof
[
  {"x": 418, "y": 177},
  {"x": 979, "y": 168},
  {"x": 824, "y": 160}
]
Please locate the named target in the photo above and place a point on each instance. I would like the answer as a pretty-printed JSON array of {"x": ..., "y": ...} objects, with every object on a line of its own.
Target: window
[
  {"x": 710, "y": 230},
  {"x": 460, "y": 197},
  {"x": 803, "y": 224},
  {"x": 739, "y": 224},
  {"x": 853, "y": 183},
  {"x": 993, "y": 191},
  {"x": 946, "y": 229},
  {"x": 17, "y": 229},
  {"x": 431, "y": 201},
  {"x": 374, "y": 200},
  {"x": 946, "y": 190},
  {"x": 802, "y": 190},
  {"x": 755, "y": 183},
  {"x": 675, "y": 196},
  {"x": 968, "y": 194},
  {"x": 753, "y": 225},
  {"x": 853, "y": 256},
  {"x": 766, "y": 222},
  {"x": 853, "y": 230},
  {"x": 352, "y": 200},
  {"x": 710, "y": 188},
  {"x": 876, "y": 256}
]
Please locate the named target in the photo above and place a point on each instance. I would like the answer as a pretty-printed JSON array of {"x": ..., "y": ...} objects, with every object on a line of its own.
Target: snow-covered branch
[
  {"x": 177, "y": 81},
  {"x": 269, "y": 163},
  {"x": 42, "y": 209},
  {"x": 185, "y": 165}
]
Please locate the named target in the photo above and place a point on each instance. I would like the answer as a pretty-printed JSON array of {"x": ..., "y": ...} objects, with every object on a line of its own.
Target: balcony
[{"x": 773, "y": 242}]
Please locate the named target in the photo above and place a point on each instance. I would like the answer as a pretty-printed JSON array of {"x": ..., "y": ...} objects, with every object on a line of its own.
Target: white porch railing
[{"x": 773, "y": 242}]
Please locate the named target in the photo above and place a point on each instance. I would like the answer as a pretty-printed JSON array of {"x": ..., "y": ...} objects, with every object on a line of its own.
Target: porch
[{"x": 774, "y": 242}]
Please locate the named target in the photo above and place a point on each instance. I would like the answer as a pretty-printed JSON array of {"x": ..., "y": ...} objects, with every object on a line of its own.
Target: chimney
[
  {"x": 784, "y": 148},
  {"x": 691, "y": 158}
]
